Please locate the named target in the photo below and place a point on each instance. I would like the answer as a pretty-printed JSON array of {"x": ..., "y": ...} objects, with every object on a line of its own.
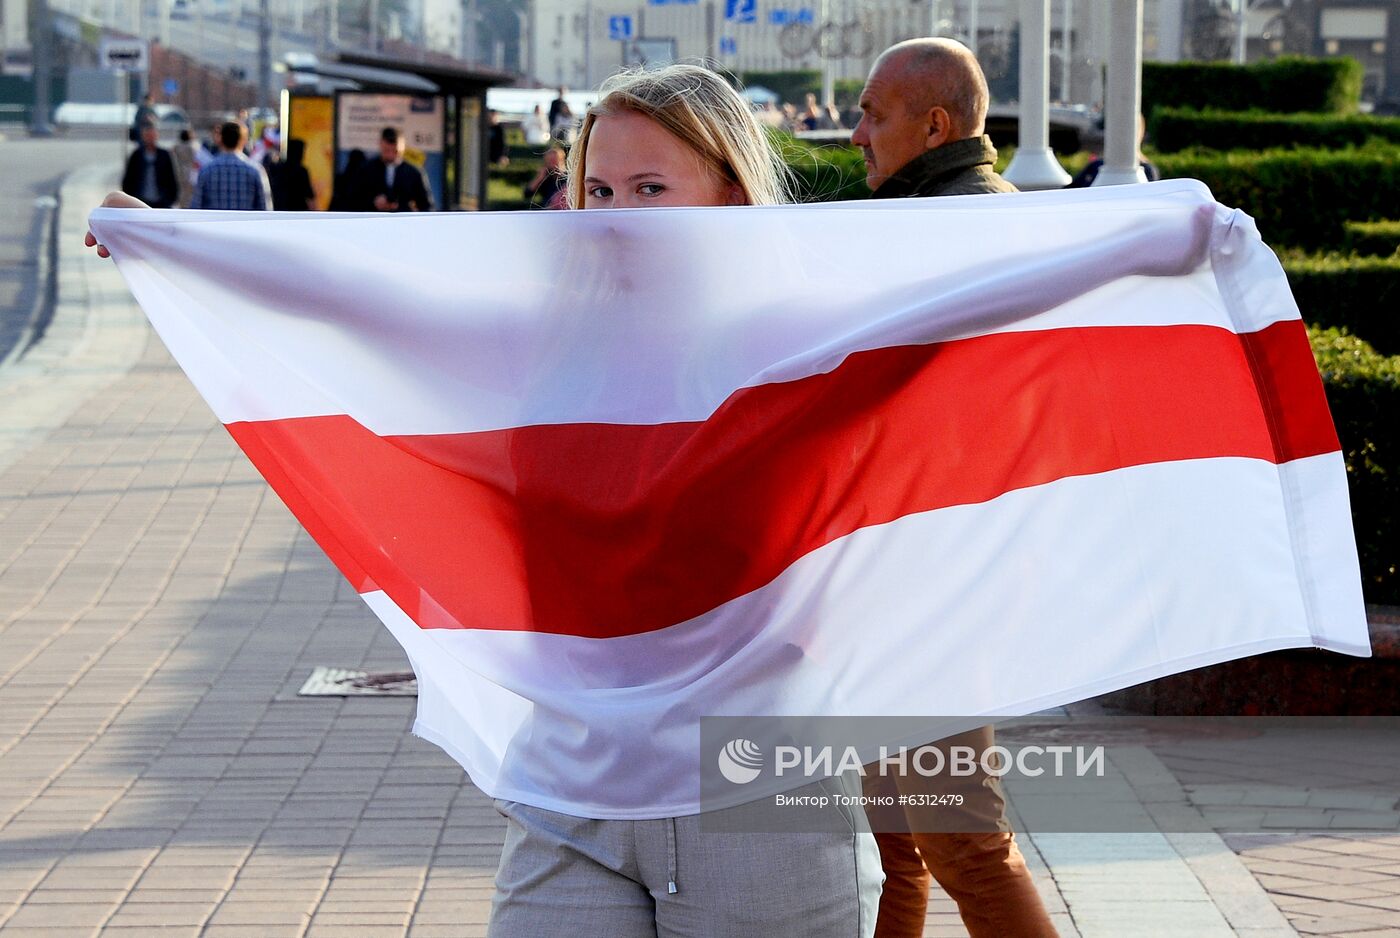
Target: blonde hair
[{"x": 701, "y": 109}]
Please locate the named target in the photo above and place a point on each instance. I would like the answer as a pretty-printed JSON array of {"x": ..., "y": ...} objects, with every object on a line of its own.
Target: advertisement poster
[
  {"x": 310, "y": 120},
  {"x": 362, "y": 116}
]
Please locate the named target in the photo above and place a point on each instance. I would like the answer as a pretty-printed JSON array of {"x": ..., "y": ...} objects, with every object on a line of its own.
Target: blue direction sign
[
  {"x": 620, "y": 27},
  {"x": 170, "y": 86},
  {"x": 741, "y": 11},
  {"x": 728, "y": 46}
]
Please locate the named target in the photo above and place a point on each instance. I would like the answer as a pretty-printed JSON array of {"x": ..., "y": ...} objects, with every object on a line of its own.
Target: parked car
[{"x": 171, "y": 119}]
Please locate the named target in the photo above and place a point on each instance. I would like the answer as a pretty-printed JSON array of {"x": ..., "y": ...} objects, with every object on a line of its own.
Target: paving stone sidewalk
[{"x": 159, "y": 775}]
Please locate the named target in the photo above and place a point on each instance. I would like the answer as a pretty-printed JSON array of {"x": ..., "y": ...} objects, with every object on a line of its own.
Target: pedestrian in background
[
  {"x": 187, "y": 163},
  {"x": 1086, "y": 176},
  {"x": 349, "y": 185},
  {"x": 292, "y": 191},
  {"x": 558, "y": 106},
  {"x": 145, "y": 114},
  {"x": 561, "y": 119},
  {"x": 536, "y": 128},
  {"x": 496, "y": 150},
  {"x": 231, "y": 181},
  {"x": 150, "y": 171},
  {"x": 546, "y": 190},
  {"x": 392, "y": 184}
]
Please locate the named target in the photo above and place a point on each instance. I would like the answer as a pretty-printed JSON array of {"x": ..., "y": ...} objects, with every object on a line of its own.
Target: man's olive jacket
[{"x": 963, "y": 167}]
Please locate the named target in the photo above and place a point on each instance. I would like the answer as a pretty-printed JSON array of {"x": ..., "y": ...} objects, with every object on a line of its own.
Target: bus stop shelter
[{"x": 341, "y": 106}]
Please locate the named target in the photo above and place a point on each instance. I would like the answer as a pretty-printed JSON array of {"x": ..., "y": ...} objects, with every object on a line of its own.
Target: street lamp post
[
  {"x": 1034, "y": 166},
  {"x": 1241, "y": 31},
  {"x": 1123, "y": 96},
  {"x": 264, "y": 53},
  {"x": 1066, "y": 51},
  {"x": 39, "y": 118}
]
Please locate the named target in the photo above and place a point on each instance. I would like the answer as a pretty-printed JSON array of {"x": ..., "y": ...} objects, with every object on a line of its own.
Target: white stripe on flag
[{"x": 1168, "y": 567}]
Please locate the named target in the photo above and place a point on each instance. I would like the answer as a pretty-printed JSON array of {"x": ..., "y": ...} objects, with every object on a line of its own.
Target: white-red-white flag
[{"x": 604, "y": 473}]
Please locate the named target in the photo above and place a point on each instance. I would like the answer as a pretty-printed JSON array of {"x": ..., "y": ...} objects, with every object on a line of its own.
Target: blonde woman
[{"x": 676, "y": 136}]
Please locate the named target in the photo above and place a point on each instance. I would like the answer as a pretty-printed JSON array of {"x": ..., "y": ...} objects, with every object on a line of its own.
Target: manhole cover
[{"x": 342, "y": 682}]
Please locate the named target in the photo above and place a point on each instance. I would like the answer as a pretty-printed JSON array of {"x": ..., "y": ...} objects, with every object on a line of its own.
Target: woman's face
[{"x": 633, "y": 162}]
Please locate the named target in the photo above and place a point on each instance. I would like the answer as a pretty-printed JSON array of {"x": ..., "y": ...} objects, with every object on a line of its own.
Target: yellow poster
[{"x": 311, "y": 120}]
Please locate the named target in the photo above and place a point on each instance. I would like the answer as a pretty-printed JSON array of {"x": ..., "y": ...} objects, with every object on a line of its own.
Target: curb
[{"x": 96, "y": 336}]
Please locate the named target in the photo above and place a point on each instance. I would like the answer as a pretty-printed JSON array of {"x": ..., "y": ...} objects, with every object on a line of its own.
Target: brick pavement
[
  {"x": 159, "y": 776},
  {"x": 1337, "y": 884}
]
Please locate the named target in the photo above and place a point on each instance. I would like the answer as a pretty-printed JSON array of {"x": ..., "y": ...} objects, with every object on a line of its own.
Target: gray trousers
[{"x": 574, "y": 877}]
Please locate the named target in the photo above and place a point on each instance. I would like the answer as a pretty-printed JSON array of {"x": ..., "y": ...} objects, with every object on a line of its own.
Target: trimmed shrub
[
  {"x": 1363, "y": 390},
  {"x": 503, "y": 196},
  {"x": 1174, "y": 129},
  {"x": 517, "y": 173},
  {"x": 790, "y": 86},
  {"x": 1359, "y": 294},
  {"x": 1285, "y": 85},
  {"x": 1373, "y": 238},
  {"x": 1300, "y": 198}
]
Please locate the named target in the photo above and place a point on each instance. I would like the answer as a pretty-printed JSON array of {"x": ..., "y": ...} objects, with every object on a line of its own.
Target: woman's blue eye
[
  {"x": 600, "y": 192},
  {"x": 651, "y": 188}
]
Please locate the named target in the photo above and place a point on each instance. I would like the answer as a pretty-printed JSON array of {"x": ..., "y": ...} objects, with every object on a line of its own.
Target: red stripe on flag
[
  {"x": 603, "y": 530},
  {"x": 1291, "y": 390}
]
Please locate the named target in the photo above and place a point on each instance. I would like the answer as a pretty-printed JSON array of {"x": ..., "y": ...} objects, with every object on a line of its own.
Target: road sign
[
  {"x": 171, "y": 87},
  {"x": 728, "y": 46},
  {"x": 741, "y": 11},
  {"x": 124, "y": 55},
  {"x": 620, "y": 27}
]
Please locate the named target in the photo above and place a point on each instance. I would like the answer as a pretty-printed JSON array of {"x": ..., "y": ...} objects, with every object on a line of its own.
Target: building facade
[{"x": 578, "y": 43}]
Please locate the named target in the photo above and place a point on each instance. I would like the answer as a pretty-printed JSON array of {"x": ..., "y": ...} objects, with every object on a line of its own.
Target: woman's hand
[{"x": 113, "y": 200}]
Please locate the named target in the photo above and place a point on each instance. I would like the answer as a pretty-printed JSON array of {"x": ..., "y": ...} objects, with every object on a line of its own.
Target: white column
[
  {"x": 1123, "y": 96},
  {"x": 1034, "y": 166},
  {"x": 1241, "y": 31},
  {"x": 1066, "y": 52}
]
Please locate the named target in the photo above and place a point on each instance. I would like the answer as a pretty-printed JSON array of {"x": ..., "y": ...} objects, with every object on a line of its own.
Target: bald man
[{"x": 924, "y": 107}]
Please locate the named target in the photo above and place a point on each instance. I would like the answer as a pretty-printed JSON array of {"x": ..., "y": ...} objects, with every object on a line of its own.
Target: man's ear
[{"x": 940, "y": 128}]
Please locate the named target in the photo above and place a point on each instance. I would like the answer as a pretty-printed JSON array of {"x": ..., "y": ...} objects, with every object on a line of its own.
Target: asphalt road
[{"x": 30, "y": 173}]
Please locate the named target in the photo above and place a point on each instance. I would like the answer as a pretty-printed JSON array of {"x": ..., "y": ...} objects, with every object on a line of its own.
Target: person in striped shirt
[{"x": 231, "y": 181}]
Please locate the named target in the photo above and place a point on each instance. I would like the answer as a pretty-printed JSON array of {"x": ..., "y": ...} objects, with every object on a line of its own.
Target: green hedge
[
  {"x": 1285, "y": 85},
  {"x": 790, "y": 86},
  {"x": 1363, "y": 389},
  {"x": 1300, "y": 198},
  {"x": 1373, "y": 238},
  {"x": 830, "y": 173},
  {"x": 1174, "y": 129},
  {"x": 1360, "y": 294}
]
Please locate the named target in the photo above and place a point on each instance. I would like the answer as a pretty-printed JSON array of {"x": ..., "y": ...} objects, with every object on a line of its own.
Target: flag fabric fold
[{"x": 605, "y": 473}]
